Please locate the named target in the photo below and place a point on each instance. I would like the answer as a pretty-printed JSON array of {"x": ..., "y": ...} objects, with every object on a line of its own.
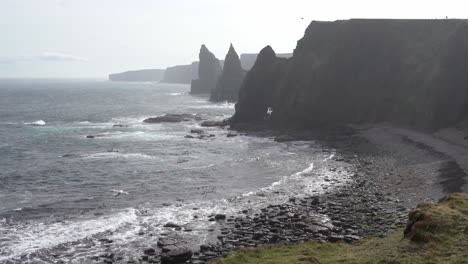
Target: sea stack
[
  {"x": 258, "y": 89},
  {"x": 227, "y": 88},
  {"x": 209, "y": 70}
]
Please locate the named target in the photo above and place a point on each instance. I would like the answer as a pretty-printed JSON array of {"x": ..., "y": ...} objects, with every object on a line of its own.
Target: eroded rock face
[
  {"x": 209, "y": 71},
  {"x": 227, "y": 88},
  {"x": 259, "y": 86},
  {"x": 408, "y": 72}
]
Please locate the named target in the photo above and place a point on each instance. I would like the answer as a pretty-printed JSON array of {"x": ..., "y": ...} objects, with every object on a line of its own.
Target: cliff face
[
  {"x": 260, "y": 84},
  {"x": 209, "y": 71},
  {"x": 409, "y": 72},
  {"x": 231, "y": 79},
  {"x": 181, "y": 73},
  {"x": 151, "y": 75}
]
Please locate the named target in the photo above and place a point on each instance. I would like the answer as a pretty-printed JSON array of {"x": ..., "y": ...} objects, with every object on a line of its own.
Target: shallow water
[{"x": 60, "y": 192}]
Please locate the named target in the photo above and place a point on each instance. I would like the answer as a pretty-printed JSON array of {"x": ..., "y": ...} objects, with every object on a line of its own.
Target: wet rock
[
  {"x": 231, "y": 134},
  {"x": 149, "y": 251},
  {"x": 172, "y": 225},
  {"x": 220, "y": 217},
  {"x": 197, "y": 131},
  {"x": 214, "y": 123},
  {"x": 189, "y": 136},
  {"x": 119, "y": 125},
  {"x": 90, "y": 136},
  {"x": 177, "y": 255},
  {"x": 172, "y": 118}
]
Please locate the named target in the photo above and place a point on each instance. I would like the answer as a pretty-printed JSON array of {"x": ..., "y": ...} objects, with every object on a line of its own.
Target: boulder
[{"x": 176, "y": 255}]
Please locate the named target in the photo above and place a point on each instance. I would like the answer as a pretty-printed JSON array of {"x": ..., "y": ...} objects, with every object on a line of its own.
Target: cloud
[
  {"x": 57, "y": 56},
  {"x": 44, "y": 57}
]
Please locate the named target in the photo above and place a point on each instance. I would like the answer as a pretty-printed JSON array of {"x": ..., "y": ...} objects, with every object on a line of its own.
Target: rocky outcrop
[
  {"x": 150, "y": 75},
  {"x": 248, "y": 59},
  {"x": 173, "y": 118},
  {"x": 181, "y": 73},
  {"x": 227, "y": 88},
  {"x": 209, "y": 71},
  {"x": 408, "y": 72},
  {"x": 261, "y": 82}
]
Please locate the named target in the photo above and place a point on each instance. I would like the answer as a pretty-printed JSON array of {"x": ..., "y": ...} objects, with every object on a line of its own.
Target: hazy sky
[{"x": 91, "y": 38}]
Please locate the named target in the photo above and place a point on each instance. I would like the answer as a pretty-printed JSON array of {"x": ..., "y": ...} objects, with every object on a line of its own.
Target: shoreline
[{"x": 388, "y": 183}]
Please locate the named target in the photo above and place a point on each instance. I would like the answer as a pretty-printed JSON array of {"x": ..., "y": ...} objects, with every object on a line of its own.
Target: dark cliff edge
[
  {"x": 248, "y": 59},
  {"x": 209, "y": 71},
  {"x": 181, "y": 74},
  {"x": 408, "y": 72},
  {"x": 150, "y": 75},
  {"x": 227, "y": 88}
]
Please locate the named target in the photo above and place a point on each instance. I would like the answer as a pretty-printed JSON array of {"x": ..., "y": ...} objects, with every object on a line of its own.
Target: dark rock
[
  {"x": 227, "y": 88},
  {"x": 209, "y": 71},
  {"x": 119, "y": 125},
  {"x": 197, "y": 131},
  {"x": 212, "y": 123},
  {"x": 90, "y": 136},
  {"x": 231, "y": 134},
  {"x": 220, "y": 217},
  {"x": 189, "y": 136},
  {"x": 173, "y": 225},
  {"x": 172, "y": 118},
  {"x": 149, "y": 251},
  {"x": 176, "y": 256}
]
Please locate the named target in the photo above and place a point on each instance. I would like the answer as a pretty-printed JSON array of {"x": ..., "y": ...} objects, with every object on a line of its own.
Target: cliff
[
  {"x": 408, "y": 72},
  {"x": 256, "y": 92},
  {"x": 248, "y": 59},
  {"x": 181, "y": 73},
  {"x": 209, "y": 71},
  {"x": 150, "y": 75},
  {"x": 227, "y": 88}
]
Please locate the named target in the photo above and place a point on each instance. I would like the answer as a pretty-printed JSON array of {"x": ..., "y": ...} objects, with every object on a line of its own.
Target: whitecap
[
  {"x": 112, "y": 155},
  {"x": 36, "y": 123},
  {"x": 25, "y": 239}
]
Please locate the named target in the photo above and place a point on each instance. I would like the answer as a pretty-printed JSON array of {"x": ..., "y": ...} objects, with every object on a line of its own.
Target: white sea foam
[
  {"x": 117, "y": 155},
  {"x": 36, "y": 123},
  {"x": 201, "y": 167},
  {"x": 216, "y": 106},
  {"x": 138, "y": 135},
  {"x": 32, "y": 237}
]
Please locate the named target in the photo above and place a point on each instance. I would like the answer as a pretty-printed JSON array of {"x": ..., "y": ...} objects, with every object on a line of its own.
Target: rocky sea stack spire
[
  {"x": 259, "y": 87},
  {"x": 231, "y": 79},
  {"x": 209, "y": 71}
]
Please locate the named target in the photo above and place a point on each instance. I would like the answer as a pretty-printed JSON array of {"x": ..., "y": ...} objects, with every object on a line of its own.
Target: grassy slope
[{"x": 436, "y": 233}]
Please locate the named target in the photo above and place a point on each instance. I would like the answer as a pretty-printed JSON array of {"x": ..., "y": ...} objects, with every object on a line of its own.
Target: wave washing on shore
[{"x": 95, "y": 172}]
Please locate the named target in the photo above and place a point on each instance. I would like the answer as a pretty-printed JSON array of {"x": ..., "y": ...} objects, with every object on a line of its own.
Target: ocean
[{"x": 62, "y": 193}]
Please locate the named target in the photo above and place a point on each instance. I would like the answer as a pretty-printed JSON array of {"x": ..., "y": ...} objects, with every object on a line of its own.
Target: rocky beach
[{"x": 388, "y": 171}]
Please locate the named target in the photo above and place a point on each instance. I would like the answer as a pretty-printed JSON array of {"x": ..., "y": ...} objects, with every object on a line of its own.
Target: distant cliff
[
  {"x": 181, "y": 73},
  {"x": 248, "y": 59},
  {"x": 227, "y": 88},
  {"x": 150, "y": 75},
  {"x": 209, "y": 71},
  {"x": 408, "y": 72}
]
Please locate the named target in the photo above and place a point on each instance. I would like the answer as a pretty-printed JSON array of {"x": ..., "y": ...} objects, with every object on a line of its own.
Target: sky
[{"x": 92, "y": 38}]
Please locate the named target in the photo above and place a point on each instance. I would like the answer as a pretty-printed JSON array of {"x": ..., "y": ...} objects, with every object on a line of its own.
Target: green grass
[{"x": 436, "y": 233}]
